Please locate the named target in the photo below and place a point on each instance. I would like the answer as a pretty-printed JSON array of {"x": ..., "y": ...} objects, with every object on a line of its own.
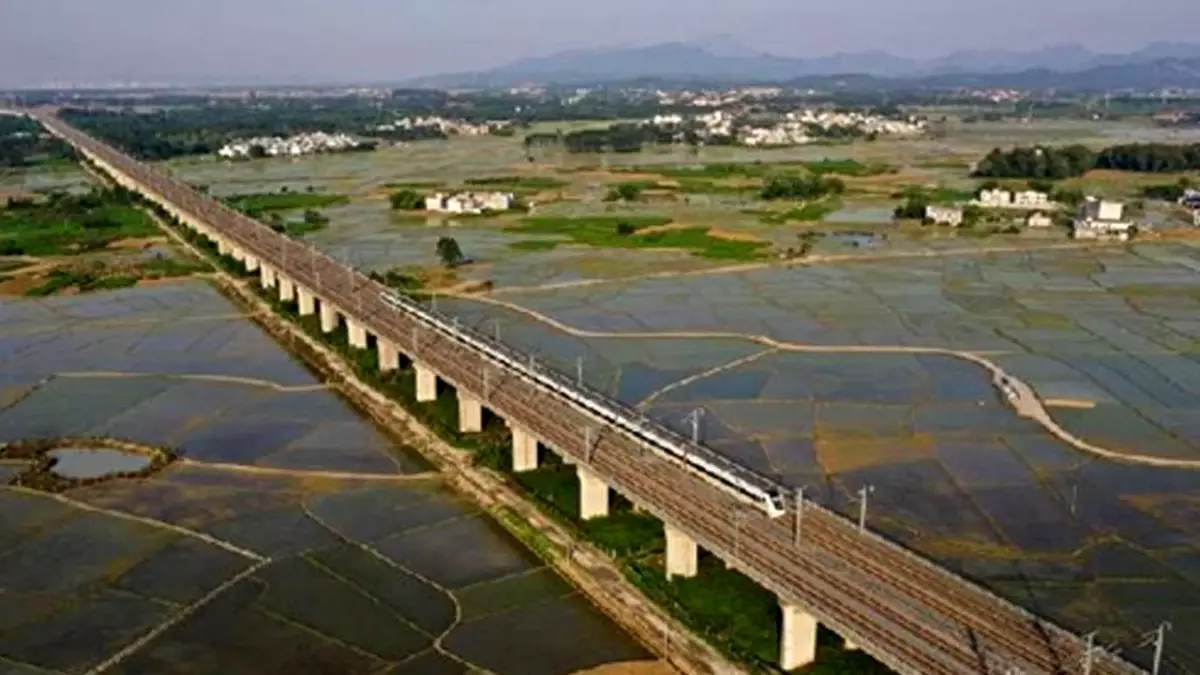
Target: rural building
[
  {"x": 1031, "y": 199},
  {"x": 1099, "y": 218},
  {"x": 1190, "y": 199},
  {"x": 1196, "y": 217},
  {"x": 995, "y": 199},
  {"x": 470, "y": 202},
  {"x": 1038, "y": 219},
  {"x": 944, "y": 215}
]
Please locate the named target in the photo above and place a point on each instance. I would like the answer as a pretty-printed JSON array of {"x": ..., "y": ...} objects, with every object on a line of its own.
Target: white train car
[{"x": 747, "y": 486}]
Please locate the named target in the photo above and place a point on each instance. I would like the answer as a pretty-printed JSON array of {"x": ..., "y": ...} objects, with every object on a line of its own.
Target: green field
[
  {"x": 65, "y": 224},
  {"x": 636, "y": 233},
  {"x": 284, "y": 201}
]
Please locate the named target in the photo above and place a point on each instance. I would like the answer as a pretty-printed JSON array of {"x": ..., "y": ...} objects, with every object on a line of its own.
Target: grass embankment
[
  {"x": 520, "y": 185},
  {"x": 644, "y": 232},
  {"x": 808, "y": 212},
  {"x": 98, "y": 276},
  {"x": 729, "y": 609},
  {"x": 266, "y": 202}
]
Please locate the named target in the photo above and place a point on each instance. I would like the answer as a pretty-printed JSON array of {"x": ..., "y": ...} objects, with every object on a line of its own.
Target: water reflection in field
[
  {"x": 362, "y": 577},
  {"x": 95, "y": 462},
  {"x": 957, "y": 474}
]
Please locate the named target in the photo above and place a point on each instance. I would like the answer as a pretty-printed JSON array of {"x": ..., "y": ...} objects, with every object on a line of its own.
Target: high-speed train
[{"x": 745, "y": 485}]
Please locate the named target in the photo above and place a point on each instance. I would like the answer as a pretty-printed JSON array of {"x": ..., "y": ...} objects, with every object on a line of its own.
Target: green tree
[
  {"x": 407, "y": 200},
  {"x": 1041, "y": 185},
  {"x": 625, "y": 229},
  {"x": 624, "y": 192},
  {"x": 314, "y": 217},
  {"x": 449, "y": 251}
]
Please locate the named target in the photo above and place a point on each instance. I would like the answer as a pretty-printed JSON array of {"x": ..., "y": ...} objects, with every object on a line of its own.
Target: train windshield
[{"x": 777, "y": 503}]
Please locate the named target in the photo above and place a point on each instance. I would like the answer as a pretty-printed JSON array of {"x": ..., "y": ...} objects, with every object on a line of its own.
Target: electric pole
[
  {"x": 863, "y": 493},
  {"x": 695, "y": 417},
  {"x": 799, "y": 513}
]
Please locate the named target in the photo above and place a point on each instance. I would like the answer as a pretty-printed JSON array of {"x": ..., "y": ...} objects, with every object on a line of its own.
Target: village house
[
  {"x": 1099, "y": 218},
  {"x": 1031, "y": 199},
  {"x": 295, "y": 146},
  {"x": 944, "y": 215},
  {"x": 470, "y": 202},
  {"x": 995, "y": 199},
  {"x": 1038, "y": 219}
]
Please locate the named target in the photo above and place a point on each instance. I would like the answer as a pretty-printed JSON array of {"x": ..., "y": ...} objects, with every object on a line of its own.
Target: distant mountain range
[{"x": 721, "y": 59}]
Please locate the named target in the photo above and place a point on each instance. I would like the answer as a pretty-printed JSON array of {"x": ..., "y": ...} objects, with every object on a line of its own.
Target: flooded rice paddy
[
  {"x": 236, "y": 572},
  {"x": 1109, "y": 337}
]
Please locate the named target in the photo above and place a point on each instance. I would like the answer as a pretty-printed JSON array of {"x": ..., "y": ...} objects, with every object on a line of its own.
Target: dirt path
[
  {"x": 226, "y": 379},
  {"x": 309, "y": 473},
  {"x": 811, "y": 260},
  {"x": 161, "y": 524},
  {"x": 1024, "y": 400}
]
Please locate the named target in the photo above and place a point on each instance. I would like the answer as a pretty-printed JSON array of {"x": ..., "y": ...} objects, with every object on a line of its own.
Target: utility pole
[
  {"x": 695, "y": 417},
  {"x": 1160, "y": 640},
  {"x": 863, "y": 493},
  {"x": 1089, "y": 650},
  {"x": 799, "y": 513},
  {"x": 496, "y": 329},
  {"x": 579, "y": 370}
]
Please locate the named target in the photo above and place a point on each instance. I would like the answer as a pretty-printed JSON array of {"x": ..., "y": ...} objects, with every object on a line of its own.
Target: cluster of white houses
[
  {"x": 1096, "y": 218},
  {"x": 469, "y": 202},
  {"x": 295, "y": 146}
]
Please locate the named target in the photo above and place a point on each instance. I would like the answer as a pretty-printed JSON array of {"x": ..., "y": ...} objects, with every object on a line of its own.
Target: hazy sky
[{"x": 188, "y": 41}]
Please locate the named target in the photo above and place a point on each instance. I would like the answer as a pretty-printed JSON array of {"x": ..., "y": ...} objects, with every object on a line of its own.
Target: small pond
[
  {"x": 95, "y": 462},
  {"x": 879, "y": 214},
  {"x": 856, "y": 239}
]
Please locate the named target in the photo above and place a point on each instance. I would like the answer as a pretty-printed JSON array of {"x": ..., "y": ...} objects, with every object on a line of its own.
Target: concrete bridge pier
[
  {"x": 237, "y": 254},
  {"x": 287, "y": 289},
  {"x": 329, "y": 317},
  {"x": 252, "y": 263},
  {"x": 682, "y": 554},
  {"x": 470, "y": 414},
  {"x": 307, "y": 302},
  {"x": 266, "y": 276},
  {"x": 357, "y": 333},
  {"x": 798, "y": 638},
  {"x": 524, "y": 450},
  {"x": 389, "y": 356},
  {"x": 593, "y": 494},
  {"x": 222, "y": 246},
  {"x": 850, "y": 645},
  {"x": 426, "y": 383}
]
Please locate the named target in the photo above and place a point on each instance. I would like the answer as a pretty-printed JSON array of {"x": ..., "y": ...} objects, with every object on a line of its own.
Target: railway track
[{"x": 912, "y": 615}]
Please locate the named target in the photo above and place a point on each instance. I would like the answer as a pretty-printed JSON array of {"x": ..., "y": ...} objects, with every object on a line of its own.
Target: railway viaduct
[{"x": 908, "y": 613}]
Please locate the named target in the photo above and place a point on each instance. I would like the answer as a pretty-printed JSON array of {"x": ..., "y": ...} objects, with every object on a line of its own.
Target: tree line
[{"x": 1055, "y": 163}]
